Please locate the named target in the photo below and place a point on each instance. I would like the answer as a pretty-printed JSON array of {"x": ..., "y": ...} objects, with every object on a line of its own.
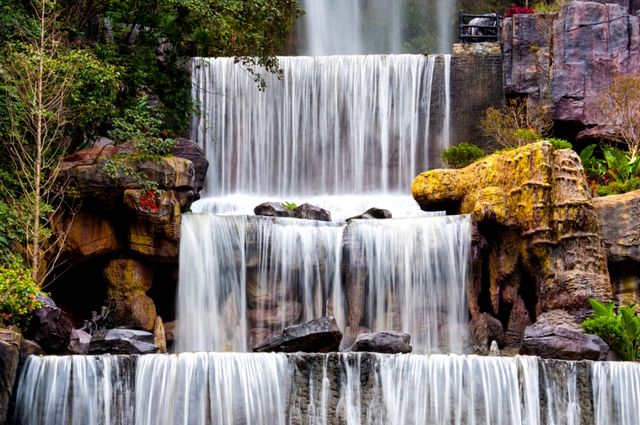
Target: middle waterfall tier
[
  {"x": 331, "y": 125},
  {"x": 243, "y": 278}
]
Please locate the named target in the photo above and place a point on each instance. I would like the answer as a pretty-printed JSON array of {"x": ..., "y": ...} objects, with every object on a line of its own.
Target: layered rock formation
[
  {"x": 566, "y": 61},
  {"x": 618, "y": 216},
  {"x": 542, "y": 252}
]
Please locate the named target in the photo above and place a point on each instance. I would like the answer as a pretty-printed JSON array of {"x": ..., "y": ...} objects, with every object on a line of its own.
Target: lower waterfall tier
[{"x": 354, "y": 388}]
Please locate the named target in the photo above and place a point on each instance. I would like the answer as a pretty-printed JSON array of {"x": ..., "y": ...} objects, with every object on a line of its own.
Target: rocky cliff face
[
  {"x": 541, "y": 250},
  {"x": 567, "y": 60}
]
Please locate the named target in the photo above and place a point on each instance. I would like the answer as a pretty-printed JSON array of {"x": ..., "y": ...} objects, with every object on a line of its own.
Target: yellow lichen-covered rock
[
  {"x": 127, "y": 283},
  {"x": 156, "y": 230},
  {"x": 534, "y": 209}
]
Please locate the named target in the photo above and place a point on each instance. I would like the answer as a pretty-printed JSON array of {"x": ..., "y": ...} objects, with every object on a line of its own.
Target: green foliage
[
  {"x": 461, "y": 155},
  {"x": 620, "y": 331},
  {"x": 560, "y": 143},
  {"x": 613, "y": 174},
  {"x": 549, "y": 6},
  {"x": 289, "y": 205},
  {"x": 524, "y": 136},
  {"x": 137, "y": 123},
  {"x": 18, "y": 293}
]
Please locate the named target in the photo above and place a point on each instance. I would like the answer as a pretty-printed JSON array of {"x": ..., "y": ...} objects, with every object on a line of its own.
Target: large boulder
[
  {"x": 390, "y": 342},
  {"x": 558, "y": 342},
  {"x": 128, "y": 281},
  {"x": 50, "y": 327},
  {"x": 88, "y": 235},
  {"x": 316, "y": 336},
  {"x": 534, "y": 209},
  {"x": 312, "y": 212},
  {"x": 10, "y": 343},
  {"x": 122, "y": 341}
]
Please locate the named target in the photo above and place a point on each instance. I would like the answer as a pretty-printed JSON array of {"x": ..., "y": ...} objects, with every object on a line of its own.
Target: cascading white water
[
  {"x": 341, "y": 27},
  {"x": 333, "y": 126},
  {"x": 242, "y": 278},
  {"x": 616, "y": 393},
  {"x": 351, "y": 389}
]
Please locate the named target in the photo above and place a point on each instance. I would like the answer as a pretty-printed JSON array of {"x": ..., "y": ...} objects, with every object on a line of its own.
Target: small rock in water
[
  {"x": 316, "y": 336},
  {"x": 79, "y": 342},
  {"x": 389, "y": 342},
  {"x": 50, "y": 327},
  {"x": 122, "y": 341},
  {"x": 272, "y": 209},
  {"x": 372, "y": 214},
  {"x": 494, "y": 350},
  {"x": 312, "y": 212}
]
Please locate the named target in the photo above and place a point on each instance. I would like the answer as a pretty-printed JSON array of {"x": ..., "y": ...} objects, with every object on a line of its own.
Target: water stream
[{"x": 238, "y": 389}]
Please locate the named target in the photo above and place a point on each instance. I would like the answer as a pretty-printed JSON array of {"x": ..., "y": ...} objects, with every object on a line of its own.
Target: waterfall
[
  {"x": 243, "y": 278},
  {"x": 347, "y": 27},
  {"x": 333, "y": 125},
  {"x": 322, "y": 389}
]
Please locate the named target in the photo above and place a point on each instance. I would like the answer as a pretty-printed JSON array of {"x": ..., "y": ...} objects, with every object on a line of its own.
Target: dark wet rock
[
  {"x": 316, "y": 336},
  {"x": 390, "y": 342},
  {"x": 372, "y": 214},
  {"x": 556, "y": 342},
  {"x": 122, "y": 341},
  {"x": 50, "y": 327},
  {"x": 272, "y": 209},
  {"x": 188, "y": 149},
  {"x": 79, "y": 342},
  {"x": 312, "y": 212},
  {"x": 10, "y": 343},
  {"x": 485, "y": 329},
  {"x": 30, "y": 348}
]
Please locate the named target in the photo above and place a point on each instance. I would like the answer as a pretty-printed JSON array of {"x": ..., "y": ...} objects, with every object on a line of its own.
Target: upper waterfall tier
[
  {"x": 332, "y": 125},
  {"x": 351, "y": 389}
]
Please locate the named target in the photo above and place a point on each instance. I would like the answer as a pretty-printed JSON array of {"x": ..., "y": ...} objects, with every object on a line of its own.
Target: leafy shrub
[
  {"x": 137, "y": 123},
  {"x": 613, "y": 174},
  {"x": 504, "y": 125},
  {"x": 620, "y": 331},
  {"x": 461, "y": 155},
  {"x": 560, "y": 143},
  {"x": 18, "y": 293}
]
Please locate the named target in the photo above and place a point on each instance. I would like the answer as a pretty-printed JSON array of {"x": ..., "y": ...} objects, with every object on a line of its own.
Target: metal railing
[{"x": 476, "y": 28}]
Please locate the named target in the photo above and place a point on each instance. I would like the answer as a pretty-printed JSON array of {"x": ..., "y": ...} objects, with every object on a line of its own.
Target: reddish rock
[
  {"x": 556, "y": 342},
  {"x": 88, "y": 235}
]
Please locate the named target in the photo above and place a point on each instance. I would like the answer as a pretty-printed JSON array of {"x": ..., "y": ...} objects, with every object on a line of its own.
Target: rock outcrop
[
  {"x": 533, "y": 208},
  {"x": 557, "y": 342},
  {"x": 304, "y": 211},
  {"x": 316, "y": 336},
  {"x": 618, "y": 216},
  {"x": 390, "y": 342},
  {"x": 122, "y": 341},
  {"x": 127, "y": 284},
  {"x": 50, "y": 327},
  {"x": 10, "y": 343},
  {"x": 566, "y": 61}
]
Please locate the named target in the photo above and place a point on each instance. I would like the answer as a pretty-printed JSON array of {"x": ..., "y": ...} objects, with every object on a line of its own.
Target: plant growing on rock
[
  {"x": 289, "y": 205},
  {"x": 621, "y": 330},
  {"x": 615, "y": 173},
  {"x": 461, "y": 155},
  {"x": 516, "y": 124}
]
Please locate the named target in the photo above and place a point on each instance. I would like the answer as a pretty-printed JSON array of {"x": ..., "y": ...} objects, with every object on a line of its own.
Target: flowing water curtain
[
  {"x": 410, "y": 275},
  {"x": 76, "y": 390},
  {"x": 211, "y": 298},
  {"x": 616, "y": 393},
  {"x": 212, "y": 388},
  {"x": 333, "y": 125}
]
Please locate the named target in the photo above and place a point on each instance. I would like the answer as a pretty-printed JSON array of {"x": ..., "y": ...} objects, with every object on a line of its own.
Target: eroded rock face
[
  {"x": 128, "y": 281},
  {"x": 557, "y": 342},
  {"x": 533, "y": 207},
  {"x": 10, "y": 343},
  {"x": 618, "y": 216},
  {"x": 567, "y": 60},
  {"x": 316, "y": 336}
]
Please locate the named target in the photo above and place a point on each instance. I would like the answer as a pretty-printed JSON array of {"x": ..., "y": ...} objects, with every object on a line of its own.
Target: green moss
[{"x": 461, "y": 155}]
